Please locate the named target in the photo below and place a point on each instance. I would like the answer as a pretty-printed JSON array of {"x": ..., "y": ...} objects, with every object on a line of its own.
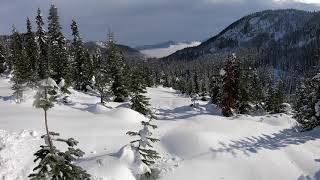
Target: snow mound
[
  {"x": 123, "y": 165},
  {"x": 98, "y": 108},
  {"x": 184, "y": 144},
  {"x": 128, "y": 155},
  {"x": 128, "y": 115},
  {"x": 107, "y": 168}
]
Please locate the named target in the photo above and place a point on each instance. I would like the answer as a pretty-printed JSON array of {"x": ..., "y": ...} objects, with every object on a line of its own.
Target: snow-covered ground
[{"x": 195, "y": 143}]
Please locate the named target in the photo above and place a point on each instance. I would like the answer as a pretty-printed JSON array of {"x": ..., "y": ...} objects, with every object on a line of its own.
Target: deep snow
[{"x": 195, "y": 143}]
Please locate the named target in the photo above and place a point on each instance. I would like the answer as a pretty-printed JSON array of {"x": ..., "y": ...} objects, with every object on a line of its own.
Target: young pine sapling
[
  {"x": 143, "y": 145},
  {"x": 55, "y": 164}
]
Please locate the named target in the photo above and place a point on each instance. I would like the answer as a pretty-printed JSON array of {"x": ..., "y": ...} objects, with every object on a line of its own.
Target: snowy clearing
[{"x": 195, "y": 143}]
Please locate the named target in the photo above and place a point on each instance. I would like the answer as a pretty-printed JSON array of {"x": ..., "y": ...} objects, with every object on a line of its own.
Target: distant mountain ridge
[
  {"x": 283, "y": 28},
  {"x": 127, "y": 51}
]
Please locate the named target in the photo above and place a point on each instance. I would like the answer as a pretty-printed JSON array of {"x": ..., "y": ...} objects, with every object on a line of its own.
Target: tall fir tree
[
  {"x": 215, "y": 86},
  {"x": 243, "y": 76},
  {"x": 42, "y": 40},
  {"x": 3, "y": 55},
  {"x": 20, "y": 65},
  {"x": 101, "y": 75},
  {"x": 275, "y": 98},
  {"x": 196, "y": 85},
  {"x": 31, "y": 54},
  {"x": 81, "y": 61},
  {"x": 53, "y": 163},
  {"x": 57, "y": 54},
  {"x": 116, "y": 68},
  {"x": 229, "y": 91},
  {"x": 139, "y": 102}
]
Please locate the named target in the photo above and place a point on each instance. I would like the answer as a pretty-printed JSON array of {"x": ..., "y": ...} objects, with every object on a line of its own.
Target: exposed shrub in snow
[
  {"x": 194, "y": 100},
  {"x": 54, "y": 164},
  {"x": 143, "y": 145}
]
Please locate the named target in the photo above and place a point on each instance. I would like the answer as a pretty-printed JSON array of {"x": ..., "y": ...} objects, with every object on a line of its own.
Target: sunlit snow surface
[{"x": 195, "y": 143}]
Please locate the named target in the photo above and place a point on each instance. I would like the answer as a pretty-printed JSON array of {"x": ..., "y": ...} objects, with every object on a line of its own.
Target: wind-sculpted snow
[{"x": 196, "y": 142}]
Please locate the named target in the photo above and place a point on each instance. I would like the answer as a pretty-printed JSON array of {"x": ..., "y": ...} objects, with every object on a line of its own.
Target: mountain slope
[
  {"x": 259, "y": 30},
  {"x": 128, "y": 52}
]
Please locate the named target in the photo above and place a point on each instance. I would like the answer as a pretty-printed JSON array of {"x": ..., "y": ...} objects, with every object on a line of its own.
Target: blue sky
[{"x": 139, "y": 22}]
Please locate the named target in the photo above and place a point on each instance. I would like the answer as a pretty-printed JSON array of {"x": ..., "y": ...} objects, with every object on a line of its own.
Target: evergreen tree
[
  {"x": 20, "y": 66},
  {"x": 138, "y": 100},
  {"x": 243, "y": 78},
  {"x": 31, "y": 54},
  {"x": 307, "y": 104},
  {"x": 229, "y": 91},
  {"x": 215, "y": 86},
  {"x": 101, "y": 76},
  {"x": 116, "y": 68},
  {"x": 143, "y": 145},
  {"x": 57, "y": 55},
  {"x": 43, "y": 69},
  {"x": 196, "y": 89},
  {"x": 275, "y": 99},
  {"x": 3, "y": 66},
  {"x": 81, "y": 60},
  {"x": 55, "y": 164}
]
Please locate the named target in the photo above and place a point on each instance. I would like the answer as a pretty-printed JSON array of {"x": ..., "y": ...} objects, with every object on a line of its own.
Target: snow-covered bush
[
  {"x": 194, "y": 100},
  {"x": 144, "y": 145}
]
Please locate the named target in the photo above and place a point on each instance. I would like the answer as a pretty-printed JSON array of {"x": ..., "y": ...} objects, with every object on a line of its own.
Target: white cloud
[
  {"x": 310, "y": 1},
  {"x": 162, "y": 52},
  {"x": 299, "y": 1}
]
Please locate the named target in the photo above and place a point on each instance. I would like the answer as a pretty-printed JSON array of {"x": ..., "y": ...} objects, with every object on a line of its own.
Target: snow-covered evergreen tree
[
  {"x": 215, "y": 86},
  {"x": 3, "y": 65},
  {"x": 31, "y": 54},
  {"x": 80, "y": 60},
  {"x": 116, "y": 69},
  {"x": 139, "y": 102},
  {"x": 275, "y": 99},
  {"x": 196, "y": 85},
  {"x": 43, "y": 69},
  {"x": 144, "y": 145},
  {"x": 20, "y": 66},
  {"x": 229, "y": 91},
  {"x": 101, "y": 77},
  {"x": 307, "y": 105},
  {"x": 53, "y": 163},
  {"x": 57, "y": 54}
]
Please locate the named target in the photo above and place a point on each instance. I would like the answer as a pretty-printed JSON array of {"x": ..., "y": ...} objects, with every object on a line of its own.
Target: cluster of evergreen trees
[
  {"x": 237, "y": 84},
  {"x": 36, "y": 55},
  {"x": 44, "y": 59}
]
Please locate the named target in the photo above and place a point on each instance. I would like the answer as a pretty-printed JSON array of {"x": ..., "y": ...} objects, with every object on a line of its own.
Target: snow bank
[
  {"x": 98, "y": 109},
  {"x": 127, "y": 114},
  {"x": 16, "y": 154},
  {"x": 123, "y": 165},
  {"x": 107, "y": 168},
  {"x": 184, "y": 144}
]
